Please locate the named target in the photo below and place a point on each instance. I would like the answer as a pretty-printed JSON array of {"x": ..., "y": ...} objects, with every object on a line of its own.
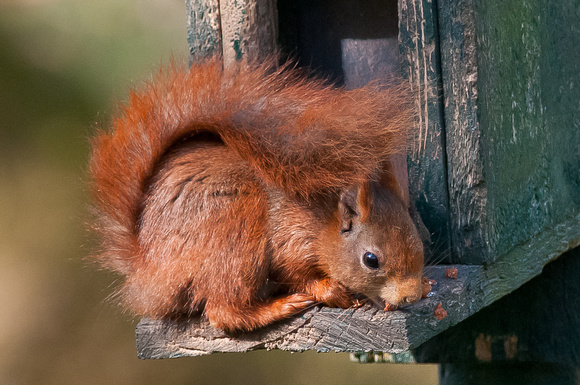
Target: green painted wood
[
  {"x": 419, "y": 48},
  {"x": 510, "y": 79},
  {"x": 466, "y": 183},
  {"x": 532, "y": 122}
]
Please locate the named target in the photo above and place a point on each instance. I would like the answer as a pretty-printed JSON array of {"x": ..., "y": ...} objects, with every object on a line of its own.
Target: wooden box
[{"x": 494, "y": 170}]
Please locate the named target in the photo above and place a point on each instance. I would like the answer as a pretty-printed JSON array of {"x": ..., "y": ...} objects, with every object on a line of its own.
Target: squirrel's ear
[
  {"x": 394, "y": 177},
  {"x": 354, "y": 204}
]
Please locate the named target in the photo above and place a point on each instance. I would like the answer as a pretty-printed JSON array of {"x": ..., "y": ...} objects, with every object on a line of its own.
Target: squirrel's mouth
[
  {"x": 388, "y": 306},
  {"x": 401, "y": 292},
  {"x": 382, "y": 303},
  {"x": 396, "y": 293}
]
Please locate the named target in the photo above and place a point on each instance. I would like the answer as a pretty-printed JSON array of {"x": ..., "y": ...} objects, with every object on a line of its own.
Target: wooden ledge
[{"x": 368, "y": 328}]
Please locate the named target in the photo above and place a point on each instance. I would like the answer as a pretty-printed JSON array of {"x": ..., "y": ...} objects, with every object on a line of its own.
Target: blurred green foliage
[{"x": 63, "y": 65}]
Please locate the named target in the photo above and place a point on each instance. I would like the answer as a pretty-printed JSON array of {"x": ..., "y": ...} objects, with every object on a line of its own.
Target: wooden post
[
  {"x": 235, "y": 29},
  {"x": 509, "y": 76},
  {"x": 419, "y": 45},
  {"x": 203, "y": 28},
  {"x": 249, "y": 29},
  {"x": 466, "y": 183}
]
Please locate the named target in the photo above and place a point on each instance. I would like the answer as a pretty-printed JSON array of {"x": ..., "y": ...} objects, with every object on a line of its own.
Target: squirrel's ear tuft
[
  {"x": 393, "y": 177},
  {"x": 354, "y": 204}
]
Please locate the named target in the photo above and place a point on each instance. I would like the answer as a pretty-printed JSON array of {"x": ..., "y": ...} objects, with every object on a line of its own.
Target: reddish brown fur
[{"x": 221, "y": 222}]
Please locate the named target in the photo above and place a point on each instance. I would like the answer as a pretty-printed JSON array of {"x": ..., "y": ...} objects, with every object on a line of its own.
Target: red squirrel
[{"x": 250, "y": 194}]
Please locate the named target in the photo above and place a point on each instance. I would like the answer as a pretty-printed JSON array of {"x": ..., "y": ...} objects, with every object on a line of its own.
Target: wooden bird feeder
[{"x": 494, "y": 171}]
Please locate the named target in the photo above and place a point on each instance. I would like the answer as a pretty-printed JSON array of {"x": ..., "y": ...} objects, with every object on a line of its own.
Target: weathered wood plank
[
  {"x": 419, "y": 48},
  {"x": 539, "y": 322},
  {"x": 510, "y": 75},
  {"x": 532, "y": 121},
  {"x": 467, "y": 188},
  {"x": 249, "y": 29},
  {"x": 369, "y": 328},
  {"x": 234, "y": 29},
  {"x": 203, "y": 28},
  {"x": 322, "y": 329}
]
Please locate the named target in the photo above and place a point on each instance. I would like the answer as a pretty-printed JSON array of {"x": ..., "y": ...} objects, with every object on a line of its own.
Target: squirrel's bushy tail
[{"x": 302, "y": 135}]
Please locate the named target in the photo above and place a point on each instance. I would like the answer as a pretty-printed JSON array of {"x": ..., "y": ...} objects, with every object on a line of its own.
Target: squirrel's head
[{"x": 380, "y": 252}]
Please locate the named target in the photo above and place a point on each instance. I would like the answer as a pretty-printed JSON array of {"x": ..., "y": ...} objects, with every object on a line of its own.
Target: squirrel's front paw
[
  {"x": 295, "y": 303},
  {"x": 331, "y": 293}
]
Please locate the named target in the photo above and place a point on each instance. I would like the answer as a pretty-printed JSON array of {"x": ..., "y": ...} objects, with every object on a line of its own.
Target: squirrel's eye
[{"x": 371, "y": 260}]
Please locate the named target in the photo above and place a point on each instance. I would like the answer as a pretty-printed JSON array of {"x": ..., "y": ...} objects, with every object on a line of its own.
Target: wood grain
[
  {"x": 419, "y": 45},
  {"x": 203, "y": 28},
  {"x": 539, "y": 322},
  {"x": 249, "y": 29},
  {"x": 234, "y": 29},
  {"x": 509, "y": 76}
]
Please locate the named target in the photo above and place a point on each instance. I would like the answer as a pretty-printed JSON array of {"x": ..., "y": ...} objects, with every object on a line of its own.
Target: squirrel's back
[
  {"x": 202, "y": 221},
  {"x": 302, "y": 135},
  {"x": 180, "y": 181}
]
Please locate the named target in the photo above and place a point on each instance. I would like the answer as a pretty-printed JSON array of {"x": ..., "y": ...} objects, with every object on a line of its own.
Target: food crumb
[
  {"x": 451, "y": 272},
  {"x": 426, "y": 285},
  {"x": 425, "y": 290},
  {"x": 439, "y": 312}
]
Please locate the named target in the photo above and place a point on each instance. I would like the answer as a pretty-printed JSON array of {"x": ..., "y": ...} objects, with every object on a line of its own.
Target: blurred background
[{"x": 64, "y": 64}]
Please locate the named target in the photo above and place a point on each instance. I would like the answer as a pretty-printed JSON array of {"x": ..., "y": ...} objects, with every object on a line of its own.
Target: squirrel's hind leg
[{"x": 232, "y": 318}]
